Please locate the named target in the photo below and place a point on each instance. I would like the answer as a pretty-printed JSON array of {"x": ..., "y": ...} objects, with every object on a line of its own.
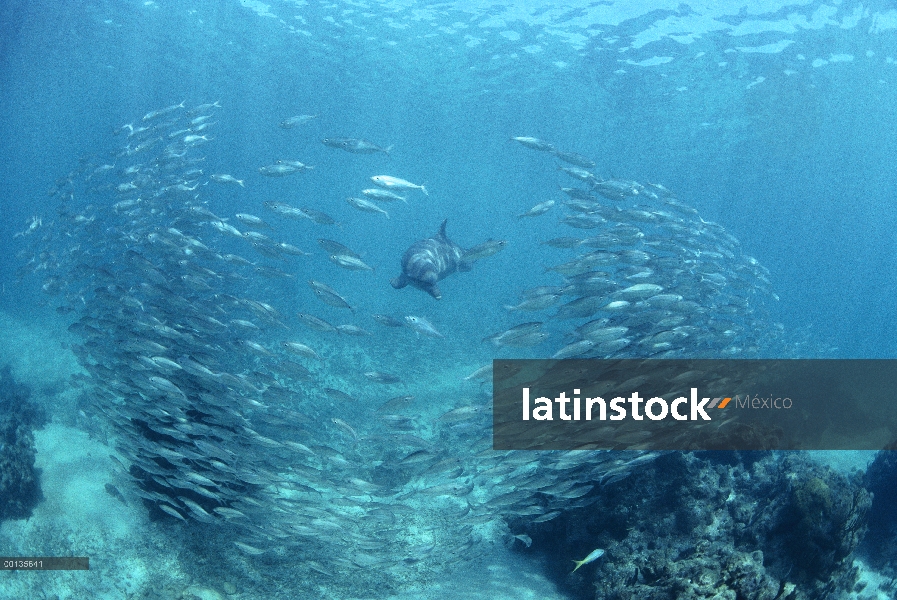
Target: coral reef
[
  {"x": 880, "y": 545},
  {"x": 19, "y": 480},
  {"x": 711, "y": 525}
]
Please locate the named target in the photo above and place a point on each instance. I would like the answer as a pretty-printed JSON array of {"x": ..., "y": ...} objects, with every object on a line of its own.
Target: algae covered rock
[
  {"x": 880, "y": 544},
  {"x": 19, "y": 480},
  {"x": 711, "y": 525}
]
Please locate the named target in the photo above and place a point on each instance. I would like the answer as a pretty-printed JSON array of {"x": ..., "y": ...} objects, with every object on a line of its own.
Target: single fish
[
  {"x": 539, "y": 209},
  {"x": 396, "y": 404},
  {"x": 482, "y": 373},
  {"x": 336, "y": 248},
  {"x": 297, "y": 120},
  {"x": 383, "y": 195},
  {"x": 313, "y": 322},
  {"x": 252, "y": 221},
  {"x": 251, "y": 550},
  {"x": 575, "y": 159},
  {"x": 394, "y": 183},
  {"x": 563, "y": 242},
  {"x": 484, "y": 250},
  {"x": 301, "y": 350},
  {"x": 540, "y": 302},
  {"x": 290, "y": 249},
  {"x": 366, "y": 206},
  {"x": 203, "y": 108},
  {"x": 226, "y": 228},
  {"x": 423, "y": 327},
  {"x": 535, "y": 144},
  {"x": 380, "y": 377},
  {"x": 387, "y": 321},
  {"x": 317, "y": 216},
  {"x": 162, "y": 111},
  {"x": 280, "y": 170},
  {"x": 593, "y": 556},
  {"x": 350, "y": 262},
  {"x": 345, "y": 427},
  {"x": 171, "y": 511},
  {"x": 355, "y": 146},
  {"x": 329, "y": 296},
  {"x": 580, "y": 174},
  {"x": 286, "y": 210},
  {"x": 113, "y": 491},
  {"x": 353, "y": 330},
  {"x": 225, "y": 178},
  {"x": 295, "y": 163}
]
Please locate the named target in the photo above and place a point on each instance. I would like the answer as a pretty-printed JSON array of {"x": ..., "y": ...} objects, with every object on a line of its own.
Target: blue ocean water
[{"x": 776, "y": 120}]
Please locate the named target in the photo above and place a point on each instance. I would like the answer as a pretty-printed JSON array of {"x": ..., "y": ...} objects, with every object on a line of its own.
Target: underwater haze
[{"x": 260, "y": 256}]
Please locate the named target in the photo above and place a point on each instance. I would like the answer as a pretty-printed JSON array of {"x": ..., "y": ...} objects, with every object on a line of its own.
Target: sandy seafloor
[{"x": 129, "y": 554}]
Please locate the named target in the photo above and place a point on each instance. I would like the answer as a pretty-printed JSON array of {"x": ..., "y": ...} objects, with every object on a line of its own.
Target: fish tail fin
[
  {"x": 578, "y": 563},
  {"x": 424, "y": 190},
  {"x": 388, "y": 149},
  {"x": 496, "y": 340},
  {"x": 510, "y": 308},
  {"x": 240, "y": 181}
]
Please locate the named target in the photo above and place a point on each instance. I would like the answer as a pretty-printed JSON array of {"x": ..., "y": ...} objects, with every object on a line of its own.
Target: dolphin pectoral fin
[
  {"x": 399, "y": 282},
  {"x": 434, "y": 291}
]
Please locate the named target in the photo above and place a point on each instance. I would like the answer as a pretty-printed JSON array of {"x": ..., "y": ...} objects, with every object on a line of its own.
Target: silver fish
[{"x": 422, "y": 326}]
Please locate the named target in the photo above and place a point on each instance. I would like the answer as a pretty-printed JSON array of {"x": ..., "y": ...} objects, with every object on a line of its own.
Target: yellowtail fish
[{"x": 593, "y": 556}]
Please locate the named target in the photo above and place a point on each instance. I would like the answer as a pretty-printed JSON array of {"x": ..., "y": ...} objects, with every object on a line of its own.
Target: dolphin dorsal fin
[{"x": 442, "y": 228}]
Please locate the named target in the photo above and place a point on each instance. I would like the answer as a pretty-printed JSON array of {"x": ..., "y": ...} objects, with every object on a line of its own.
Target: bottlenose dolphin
[{"x": 429, "y": 261}]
